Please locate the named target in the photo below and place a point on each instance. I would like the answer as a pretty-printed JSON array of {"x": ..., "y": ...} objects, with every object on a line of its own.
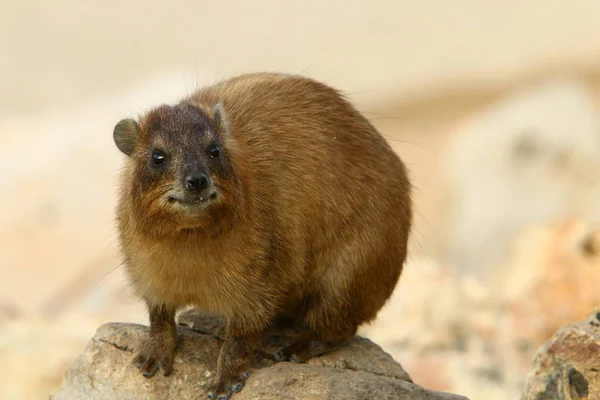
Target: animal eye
[
  {"x": 214, "y": 151},
  {"x": 158, "y": 158}
]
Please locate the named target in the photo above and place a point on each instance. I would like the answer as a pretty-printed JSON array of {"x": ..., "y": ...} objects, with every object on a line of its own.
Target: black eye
[
  {"x": 158, "y": 158},
  {"x": 214, "y": 152}
]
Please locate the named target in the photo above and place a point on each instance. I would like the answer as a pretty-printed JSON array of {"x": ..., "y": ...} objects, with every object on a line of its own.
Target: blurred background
[{"x": 493, "y": 105}]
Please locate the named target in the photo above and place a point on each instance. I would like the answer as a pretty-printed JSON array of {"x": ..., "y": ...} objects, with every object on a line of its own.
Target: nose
[{"x": 196, "y": 182}]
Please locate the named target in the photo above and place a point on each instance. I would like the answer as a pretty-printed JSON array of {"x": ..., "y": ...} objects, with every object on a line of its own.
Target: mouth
[{"x": 192, "y": 202}]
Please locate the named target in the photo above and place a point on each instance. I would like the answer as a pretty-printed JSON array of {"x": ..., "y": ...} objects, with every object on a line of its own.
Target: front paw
[
  {"x": 153, "y": 357},
  {"x": 226, "y": 387}
]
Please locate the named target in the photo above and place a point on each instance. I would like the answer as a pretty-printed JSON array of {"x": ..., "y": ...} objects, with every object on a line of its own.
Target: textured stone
[
  {"x": 568, "y": 366},
  {"x": 360, "y": 370}
]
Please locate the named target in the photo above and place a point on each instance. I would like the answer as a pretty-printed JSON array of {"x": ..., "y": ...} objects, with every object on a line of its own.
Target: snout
[
  {"x": 196, "y": 190},
  {"x": 198, "y": 187},
  {"x": 196, "y": 182}
]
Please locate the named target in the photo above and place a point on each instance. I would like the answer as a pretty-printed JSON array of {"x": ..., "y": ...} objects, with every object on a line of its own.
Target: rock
[
  {"x": 360, "y": 370},
  {"x": 567, "y": 366}
]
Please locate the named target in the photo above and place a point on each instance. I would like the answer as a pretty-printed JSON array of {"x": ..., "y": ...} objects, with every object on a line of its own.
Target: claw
[
  {"x": 212, "y": 395},
  {"x": 236, "y": 388},
  {"x": 150, "y": 368},
  {"x": 216, "y": 393},
  {"x": 149, "y": 365},
  {"x": 295, "y": 359}
]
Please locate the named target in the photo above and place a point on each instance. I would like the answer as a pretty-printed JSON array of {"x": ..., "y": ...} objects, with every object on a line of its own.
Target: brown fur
[{"x": 311, "y": 220}]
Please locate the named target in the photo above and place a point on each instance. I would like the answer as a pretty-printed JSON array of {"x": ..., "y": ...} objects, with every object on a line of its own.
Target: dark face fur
[{"x": 182, "y": 170}]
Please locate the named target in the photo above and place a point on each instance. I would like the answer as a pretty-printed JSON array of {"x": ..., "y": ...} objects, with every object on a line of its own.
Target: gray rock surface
[{"x": 360, "y": 370}]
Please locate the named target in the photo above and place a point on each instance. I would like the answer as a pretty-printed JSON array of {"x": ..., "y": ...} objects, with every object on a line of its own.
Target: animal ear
[{"x": 125, "y": 135}]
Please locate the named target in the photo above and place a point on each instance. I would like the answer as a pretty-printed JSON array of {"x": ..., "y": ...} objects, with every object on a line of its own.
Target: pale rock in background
[{"x": 527, "y": 158}]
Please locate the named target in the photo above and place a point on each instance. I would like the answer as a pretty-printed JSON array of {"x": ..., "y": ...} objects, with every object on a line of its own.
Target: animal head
[{"x": 181, "y": 165}]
